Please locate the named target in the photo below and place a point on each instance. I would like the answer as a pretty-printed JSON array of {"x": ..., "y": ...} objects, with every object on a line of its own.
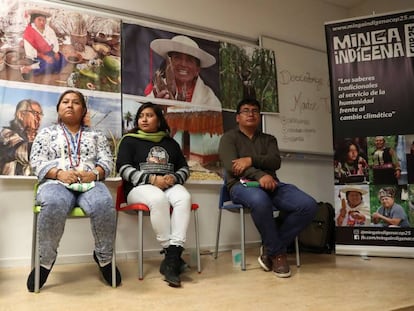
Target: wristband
[{"x": 57, "y": 172}]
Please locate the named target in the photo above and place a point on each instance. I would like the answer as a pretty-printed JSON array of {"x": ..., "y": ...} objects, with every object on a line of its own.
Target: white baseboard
[{"x": 120, "y": 255}]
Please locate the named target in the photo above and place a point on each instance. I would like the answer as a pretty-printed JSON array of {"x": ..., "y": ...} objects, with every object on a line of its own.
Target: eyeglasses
[
  {"x": 247, "y": 112},
  {"x": 35, "y": 113}
]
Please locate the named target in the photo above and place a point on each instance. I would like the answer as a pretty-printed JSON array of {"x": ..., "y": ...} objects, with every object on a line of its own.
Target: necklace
[
  {"x": 76, "y": 146},
  {"x": 185, "y": 92}
]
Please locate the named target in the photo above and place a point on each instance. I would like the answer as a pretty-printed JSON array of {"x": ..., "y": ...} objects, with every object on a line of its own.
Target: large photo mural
[{"x": 45, "y": 50}]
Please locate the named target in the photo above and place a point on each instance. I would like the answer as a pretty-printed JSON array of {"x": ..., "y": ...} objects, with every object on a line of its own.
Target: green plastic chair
[{"x": 76, "y": 212}]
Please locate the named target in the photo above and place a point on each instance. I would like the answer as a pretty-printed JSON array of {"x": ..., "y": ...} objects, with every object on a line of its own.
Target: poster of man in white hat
[
  {"x": 180, "y": 72},
  {"x": 171, "y": 66}
]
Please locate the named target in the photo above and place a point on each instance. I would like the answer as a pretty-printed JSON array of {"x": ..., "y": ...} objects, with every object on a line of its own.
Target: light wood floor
[{"x": 323, "y": 282}]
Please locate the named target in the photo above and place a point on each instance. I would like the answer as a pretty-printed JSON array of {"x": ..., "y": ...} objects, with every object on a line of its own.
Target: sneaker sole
[
  {"x": 283, "y": 275},
  {"x": 265, "y": 268},
  {"x": 183, "y": 268},
  {"x": 172, "y": 283}
]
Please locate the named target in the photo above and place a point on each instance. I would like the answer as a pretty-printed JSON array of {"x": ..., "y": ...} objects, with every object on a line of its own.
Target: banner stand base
[{"x": 380, "y": 251}]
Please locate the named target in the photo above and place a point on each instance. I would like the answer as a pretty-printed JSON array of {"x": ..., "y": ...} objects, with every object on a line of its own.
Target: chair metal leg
[
  {"x": 140, "y": 246},
  {"x": 36, "y": 257},
  {"x": 114, "y": 254},
  {"x": 297, "y": 252},
  {"x": 243, "y": 238},
  {"x": 218, "y": 234},
  {"x": 197, "y": 240},
  {"x": 34, "y": 234}
]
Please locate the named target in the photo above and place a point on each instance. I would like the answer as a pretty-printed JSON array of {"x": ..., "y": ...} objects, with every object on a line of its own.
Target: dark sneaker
[
  {"x": 280, "y": 266},
  {"x": 106, "y": 272},
  {"x": 264, "y": 260}
]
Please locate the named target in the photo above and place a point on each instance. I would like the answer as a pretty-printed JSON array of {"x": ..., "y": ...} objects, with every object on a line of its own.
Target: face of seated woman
[
  {"x": 40, "y": 22},
  {"x": 148, "y": 121},
  {"x": 352, "y": 154},
  {"x": 71, "y": 110}
]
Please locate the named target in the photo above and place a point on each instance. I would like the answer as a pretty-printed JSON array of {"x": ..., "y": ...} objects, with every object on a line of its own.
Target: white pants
[{"x": 170, "y": 228}]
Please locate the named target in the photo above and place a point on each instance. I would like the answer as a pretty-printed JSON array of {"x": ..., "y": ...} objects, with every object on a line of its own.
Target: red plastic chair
[{"x": 142, "y": 209}]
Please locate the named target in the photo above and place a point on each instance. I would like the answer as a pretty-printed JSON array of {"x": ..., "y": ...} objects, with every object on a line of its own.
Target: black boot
[
  {"x": 106, "y": 272},
  {"x": 44, "y": 273},
  {"x": 183, "y": 265},
  {"x": 171, "y": 265}
]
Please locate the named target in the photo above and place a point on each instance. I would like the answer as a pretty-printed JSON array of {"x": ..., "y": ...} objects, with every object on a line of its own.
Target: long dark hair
[
  {"x": 344, "y": 156},
  {"x": 162, "y": 122}
]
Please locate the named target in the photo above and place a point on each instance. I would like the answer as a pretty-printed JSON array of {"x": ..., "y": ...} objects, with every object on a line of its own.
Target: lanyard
[{"x": 75, "y": 145}]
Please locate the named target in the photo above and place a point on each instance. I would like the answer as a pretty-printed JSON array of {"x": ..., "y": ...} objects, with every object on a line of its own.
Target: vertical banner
[{"x": 371, "y": 66}]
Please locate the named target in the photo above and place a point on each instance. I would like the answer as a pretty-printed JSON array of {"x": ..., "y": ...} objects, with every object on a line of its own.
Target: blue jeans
[
  {"x": 298, "y": 207},
  {"x": 57, "y": 201}
]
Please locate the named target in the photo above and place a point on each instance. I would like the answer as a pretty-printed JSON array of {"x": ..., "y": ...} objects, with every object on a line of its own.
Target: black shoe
[
  {"x": 172, "y": 275},
  {"x": 183, "y": 266},
  {"x": 106, "y": 272},
  {"x": 44, "y": 273},
  {"x": 172, "y": 265}
]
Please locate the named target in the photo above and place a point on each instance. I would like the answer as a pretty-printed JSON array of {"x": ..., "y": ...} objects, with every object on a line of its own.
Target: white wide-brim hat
[
  {"x": 348, "y": 189},
  {"x": 38, "y": 12},
  {"x": 185, "y": 45}
]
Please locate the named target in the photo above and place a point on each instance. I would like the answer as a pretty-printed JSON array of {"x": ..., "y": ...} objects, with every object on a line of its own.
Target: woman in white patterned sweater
[{"x": 70, "y": 161}]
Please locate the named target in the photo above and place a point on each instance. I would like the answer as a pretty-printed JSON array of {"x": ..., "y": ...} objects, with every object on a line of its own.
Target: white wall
[
  {"x": 370, "y": 7},
  {"x": 297, "y": 21}
]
